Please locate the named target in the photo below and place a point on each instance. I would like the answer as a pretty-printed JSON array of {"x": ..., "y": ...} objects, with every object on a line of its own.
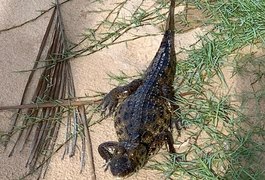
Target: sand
[{"x": 18, "y": 49}]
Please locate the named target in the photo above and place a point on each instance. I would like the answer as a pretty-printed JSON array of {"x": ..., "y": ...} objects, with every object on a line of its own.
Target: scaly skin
[{"x": 143, "y": 119}]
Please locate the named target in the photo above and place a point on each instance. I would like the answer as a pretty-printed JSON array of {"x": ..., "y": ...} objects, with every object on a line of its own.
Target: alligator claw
[
  {"x": 106, "y": 165},
  {"x": 177, "y": 122},
  {"x": 178, "y": 125},
  {"x": 108, "y": 105}
]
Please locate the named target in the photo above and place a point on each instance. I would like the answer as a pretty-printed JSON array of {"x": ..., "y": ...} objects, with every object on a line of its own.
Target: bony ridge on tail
[{"x": 143, "y": 120}]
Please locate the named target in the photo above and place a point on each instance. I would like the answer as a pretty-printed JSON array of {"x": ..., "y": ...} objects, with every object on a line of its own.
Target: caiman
[{"x": 143, "y": 118}]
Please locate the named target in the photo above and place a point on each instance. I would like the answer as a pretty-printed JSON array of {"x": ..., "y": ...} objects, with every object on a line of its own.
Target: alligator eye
[
  {"x": 131, "y": 154},
  {"x": 119, "y": 151}
]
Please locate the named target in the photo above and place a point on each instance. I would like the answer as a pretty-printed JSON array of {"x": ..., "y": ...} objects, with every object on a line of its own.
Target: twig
[
  {"x": 89, "y": 142},
  {"x": 63, "y": 103},
  {"x": 31, "y": 20},
  {"x": 50, "y": 104}
]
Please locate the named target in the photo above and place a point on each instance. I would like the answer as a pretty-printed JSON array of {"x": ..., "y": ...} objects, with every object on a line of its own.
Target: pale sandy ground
[{"x": 18, "y": 49}]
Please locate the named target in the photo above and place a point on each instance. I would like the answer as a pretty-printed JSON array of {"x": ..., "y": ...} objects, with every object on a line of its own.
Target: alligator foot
[{"x": 111, "y": 100}]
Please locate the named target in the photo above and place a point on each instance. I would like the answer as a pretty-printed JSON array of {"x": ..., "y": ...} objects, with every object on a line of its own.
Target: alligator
[{"x": 143, "y": 111}]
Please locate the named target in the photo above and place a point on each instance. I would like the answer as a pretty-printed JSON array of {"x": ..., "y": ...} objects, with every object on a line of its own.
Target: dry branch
[
  {"x": 62, "y": 103},
  {"x": 31, "y": 20},
  {"x": 55, "y": 87}
]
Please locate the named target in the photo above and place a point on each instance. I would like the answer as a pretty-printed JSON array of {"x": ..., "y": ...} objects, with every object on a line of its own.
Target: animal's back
[{"x": 143, "y": 115}]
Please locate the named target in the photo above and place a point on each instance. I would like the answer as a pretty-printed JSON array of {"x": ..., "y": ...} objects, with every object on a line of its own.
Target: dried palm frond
[{"x": 54, "y": 83}]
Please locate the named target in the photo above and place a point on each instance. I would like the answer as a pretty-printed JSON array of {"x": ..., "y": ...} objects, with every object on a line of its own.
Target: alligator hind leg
[
  {"x": 111, "y": 100},
  {"x": 176, "y": 119},
  {"x": 168, "y": 92},
  {"x": 170, "y": 142},
  {"x": 162, "y": 138}
]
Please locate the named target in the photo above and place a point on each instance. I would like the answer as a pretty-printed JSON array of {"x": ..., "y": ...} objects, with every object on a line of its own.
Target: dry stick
[
  {"x": 89, "y": 142},
  {"x": 31, "y": 20},
  {"x": 63, "y": 103},
  {"x": 69, "y": 114},
  {"x": 39, "y": 135},
  {"x": 29, "y": 129},
  {"x": 53, "y": 133},
  {"x": 73, "y": 142},
  {"x": 74, "y": 138},
  {"x": 41, "y": 127},
  {"x": 44, "y": 40},
  {"x": 58, "y": 110},
  {"x": 70, "y": 94},
  {"x": 43, "y": 138},
  {"x": 81, "y": 126},
  {"x": 40, "y": 88},
  {"x": 46, "y": 133},
  {"x": 45, "y": 161},
  {"x": 68, "y": 123},
  {"x": 41, "y": 91},
  {"x": 71, "y": 85},
  {"x": 47, "y": 129},
  {"x": 54, "y": 93}
]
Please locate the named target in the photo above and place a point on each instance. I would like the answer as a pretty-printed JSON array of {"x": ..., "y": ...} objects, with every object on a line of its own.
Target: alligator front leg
[
  {"x": 106, "y": 151},
  {"x": 111, "y": 100},
  {"x": 109, "y": 149}
]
